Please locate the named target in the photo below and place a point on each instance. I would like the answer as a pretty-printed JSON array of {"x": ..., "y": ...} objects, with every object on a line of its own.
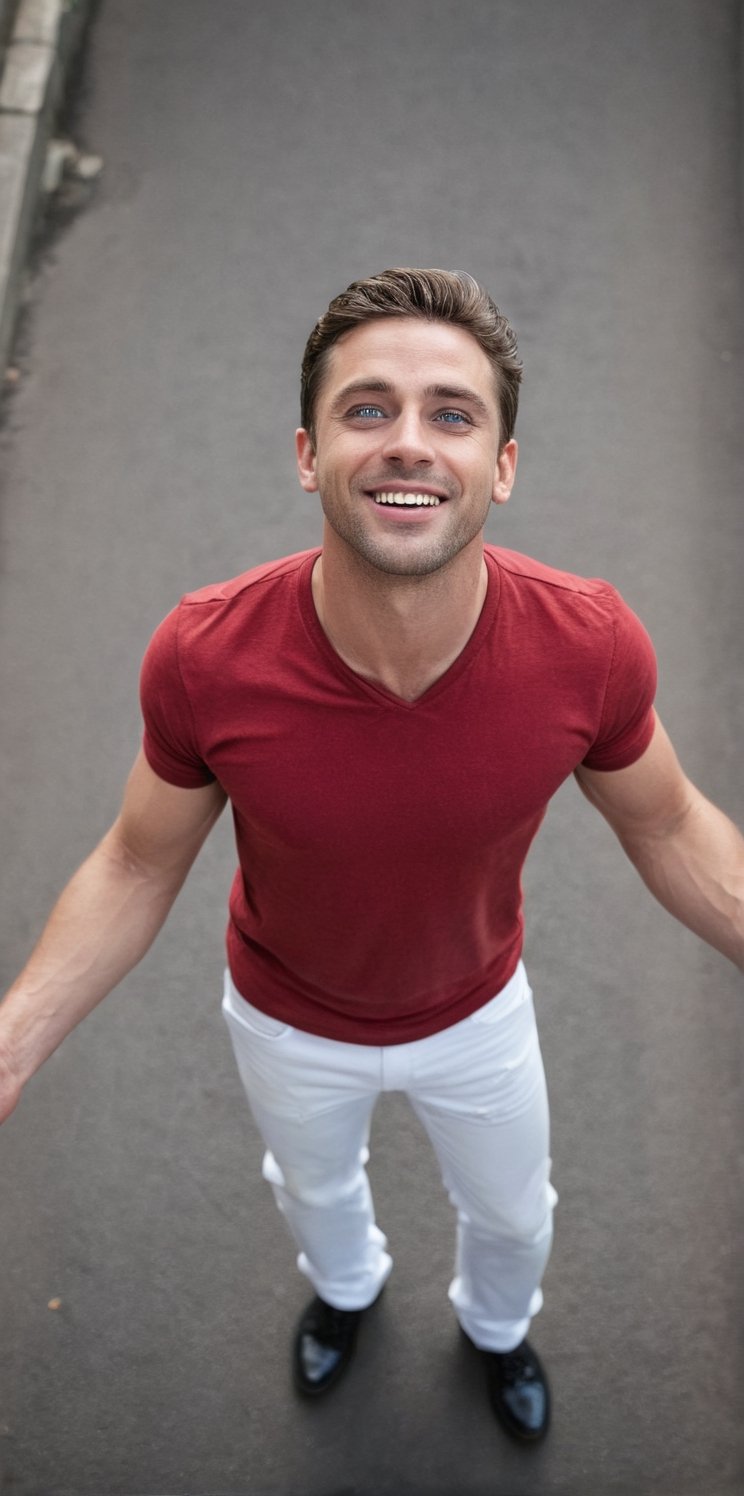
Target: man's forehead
[{"x": 410, "y": 348}]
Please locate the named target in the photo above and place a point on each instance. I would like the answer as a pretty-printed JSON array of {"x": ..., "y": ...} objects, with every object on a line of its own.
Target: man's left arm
[{"x": 688, "y": 852}]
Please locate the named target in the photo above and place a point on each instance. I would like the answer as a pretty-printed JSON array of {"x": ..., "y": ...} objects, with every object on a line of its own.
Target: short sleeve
[
  {"x": 627, "y": 720},
  {"x": 169, "y": 739}
]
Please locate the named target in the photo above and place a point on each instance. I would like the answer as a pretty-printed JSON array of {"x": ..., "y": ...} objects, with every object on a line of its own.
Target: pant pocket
[
  {"x": 264, "y": 1057},
  {"x": 237, "y": 1010},
  {"x": 509, "y": 1000}
]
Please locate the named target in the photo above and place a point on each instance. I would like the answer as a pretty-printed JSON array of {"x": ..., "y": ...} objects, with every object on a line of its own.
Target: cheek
[
  {"x": 344, "y": 462},
  {"x": 481, "y": 450}
]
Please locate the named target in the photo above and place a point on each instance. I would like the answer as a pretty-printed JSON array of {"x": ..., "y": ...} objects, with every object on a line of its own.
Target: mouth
[{"x": 396, "y": 499}]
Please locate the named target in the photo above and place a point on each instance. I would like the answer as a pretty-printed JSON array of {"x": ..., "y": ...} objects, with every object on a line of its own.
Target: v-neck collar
[{"x": 380, "y": 693}]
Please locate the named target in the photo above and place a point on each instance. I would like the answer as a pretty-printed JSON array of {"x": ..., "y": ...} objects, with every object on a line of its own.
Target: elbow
[{"x": 127, "y": 863}]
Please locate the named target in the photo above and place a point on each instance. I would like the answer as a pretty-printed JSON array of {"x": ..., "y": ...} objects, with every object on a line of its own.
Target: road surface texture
[{"x": 581, "y": 159}]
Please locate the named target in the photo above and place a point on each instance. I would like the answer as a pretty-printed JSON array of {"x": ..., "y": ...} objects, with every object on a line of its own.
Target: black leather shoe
[
  {"x": 520, "y": 1394},
  {"x": 323, "y": 1346}
]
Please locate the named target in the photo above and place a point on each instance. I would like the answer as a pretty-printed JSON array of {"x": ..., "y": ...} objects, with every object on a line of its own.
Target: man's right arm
[{"x": 105, "y": 920}]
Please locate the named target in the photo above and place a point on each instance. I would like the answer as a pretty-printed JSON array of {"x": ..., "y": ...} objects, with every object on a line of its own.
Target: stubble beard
[{"x": 393, "y": 558}]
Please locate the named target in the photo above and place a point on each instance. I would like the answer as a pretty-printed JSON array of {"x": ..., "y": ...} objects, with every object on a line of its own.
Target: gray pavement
[{"x": 583, "y": 160}]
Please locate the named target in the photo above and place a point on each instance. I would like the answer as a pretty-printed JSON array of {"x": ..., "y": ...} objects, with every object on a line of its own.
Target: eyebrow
[
  {"x": 457, "y": 392},
  {"x": 360, "y": 387},
  {"x": 432, "y": 392}
]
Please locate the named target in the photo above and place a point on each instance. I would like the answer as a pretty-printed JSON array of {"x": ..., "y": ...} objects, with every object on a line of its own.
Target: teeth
[{"x": 407, "y": 500}]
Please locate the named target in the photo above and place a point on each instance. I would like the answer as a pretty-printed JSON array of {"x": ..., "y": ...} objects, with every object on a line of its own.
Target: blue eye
[
  {"x": 452, "y": 417},
  {"x": 366, "y": 412}
]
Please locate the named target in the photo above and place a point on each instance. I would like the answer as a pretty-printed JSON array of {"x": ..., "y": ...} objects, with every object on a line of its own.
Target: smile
[{"x": 407, "y": 500}]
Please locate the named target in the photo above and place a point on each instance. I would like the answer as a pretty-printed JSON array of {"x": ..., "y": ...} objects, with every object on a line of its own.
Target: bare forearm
[
  {"x": 696, "y": 870},
  {"x": 105, "y": 920}
]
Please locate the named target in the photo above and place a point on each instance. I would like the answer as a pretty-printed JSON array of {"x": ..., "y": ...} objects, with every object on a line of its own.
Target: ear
[
  {"x": 506, "y": 467},
  {"x": 306, "y": 460}
]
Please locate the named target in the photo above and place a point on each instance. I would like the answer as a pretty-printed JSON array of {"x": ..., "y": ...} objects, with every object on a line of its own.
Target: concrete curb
[{"x": 45, "y": 38}]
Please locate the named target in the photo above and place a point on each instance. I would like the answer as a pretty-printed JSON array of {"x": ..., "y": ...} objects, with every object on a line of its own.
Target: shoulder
[
  {"x": 223, "y": 616},
  {"x": 249, "y": 585},
  {"x": 527, "y": 575},
  {"x": 547, "y": 605},
  {"x": 228, "y": 612},
  {"x": 594, "y": 647},
  {"x": 530, "y": 588}
]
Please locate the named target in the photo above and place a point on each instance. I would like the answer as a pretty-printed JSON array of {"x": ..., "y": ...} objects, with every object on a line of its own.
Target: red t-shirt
[{"x": 381, "y": 842}]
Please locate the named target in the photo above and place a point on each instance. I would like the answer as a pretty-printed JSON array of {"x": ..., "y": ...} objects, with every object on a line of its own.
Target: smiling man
[{"x": 389, "y": 716}]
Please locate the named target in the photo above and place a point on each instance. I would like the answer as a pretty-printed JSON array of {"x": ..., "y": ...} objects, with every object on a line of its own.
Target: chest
[{"x": 360, "y": 772}]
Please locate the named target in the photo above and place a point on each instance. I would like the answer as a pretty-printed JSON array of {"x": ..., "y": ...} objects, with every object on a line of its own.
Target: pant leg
[
  {"x": 312, "y": 1100},
  {"x": 484, "y": 1106}
]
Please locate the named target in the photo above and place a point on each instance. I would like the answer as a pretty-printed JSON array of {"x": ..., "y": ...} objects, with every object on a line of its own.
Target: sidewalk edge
[{"x": 35, "y": 71}]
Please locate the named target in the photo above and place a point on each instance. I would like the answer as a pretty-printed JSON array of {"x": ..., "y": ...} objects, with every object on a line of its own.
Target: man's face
[{"x": 407, "y": 416}]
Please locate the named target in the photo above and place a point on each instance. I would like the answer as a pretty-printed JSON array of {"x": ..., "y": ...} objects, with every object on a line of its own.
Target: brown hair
[{"x": 434, "y": 296}]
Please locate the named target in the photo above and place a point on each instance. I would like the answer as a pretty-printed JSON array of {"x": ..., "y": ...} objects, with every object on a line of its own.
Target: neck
[{"x": 400, "y": 632}]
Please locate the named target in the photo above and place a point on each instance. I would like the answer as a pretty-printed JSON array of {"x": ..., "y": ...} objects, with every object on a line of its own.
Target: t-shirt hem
[
  {"x": 348, "y": 1028},
  {"x": 182, "y": 778},
  {"x": 630, "y": 752}
]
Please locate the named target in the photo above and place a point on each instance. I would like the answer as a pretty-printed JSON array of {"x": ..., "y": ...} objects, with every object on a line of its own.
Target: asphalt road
[{"x": 581, "y": 159}]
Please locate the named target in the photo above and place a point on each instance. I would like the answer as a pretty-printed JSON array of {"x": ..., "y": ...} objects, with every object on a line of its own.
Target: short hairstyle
[{"x": 432, "y": 295}]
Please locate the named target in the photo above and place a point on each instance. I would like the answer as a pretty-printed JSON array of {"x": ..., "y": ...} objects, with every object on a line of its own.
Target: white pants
[{"x": 478, "y": 1087}]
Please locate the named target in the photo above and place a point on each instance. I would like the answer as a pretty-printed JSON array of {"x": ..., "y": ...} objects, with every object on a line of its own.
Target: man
[{"x": 389, "y": 717}]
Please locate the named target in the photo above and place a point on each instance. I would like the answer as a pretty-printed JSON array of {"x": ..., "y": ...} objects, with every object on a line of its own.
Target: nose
[{"x": 409, "y": 440}]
